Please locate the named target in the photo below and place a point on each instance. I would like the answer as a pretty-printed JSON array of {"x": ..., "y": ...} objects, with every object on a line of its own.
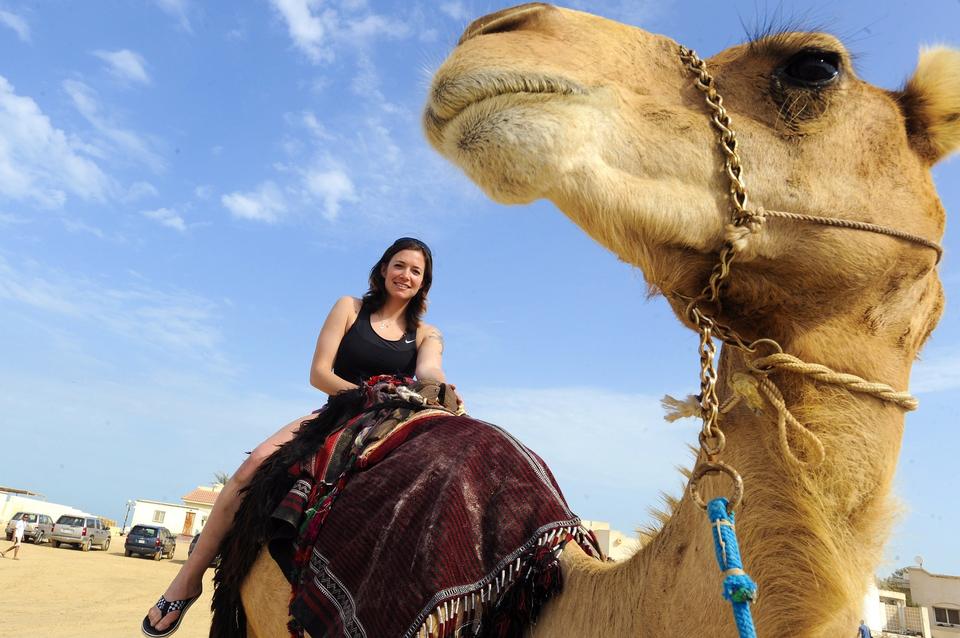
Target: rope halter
[{"x": 755, "y": 386}]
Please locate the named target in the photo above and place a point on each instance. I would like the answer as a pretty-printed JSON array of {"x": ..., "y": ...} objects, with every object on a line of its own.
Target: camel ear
[{"x": 931, "y": 104}]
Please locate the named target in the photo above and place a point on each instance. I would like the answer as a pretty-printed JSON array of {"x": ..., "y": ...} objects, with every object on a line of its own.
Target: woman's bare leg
[{"x": 188, "y": 581}]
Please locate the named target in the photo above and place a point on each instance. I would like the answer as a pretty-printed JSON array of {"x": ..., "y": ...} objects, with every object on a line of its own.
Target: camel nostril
[{"x": 512, "y": 19}]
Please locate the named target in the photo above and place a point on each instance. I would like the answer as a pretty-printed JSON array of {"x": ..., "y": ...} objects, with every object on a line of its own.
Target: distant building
[
  {"x": 887, "y": 614},
  {"x": 615, "y": 544},
  {"x": 940, "y": 594},
  {"x": 187, "y": 518},
  {"x": 14, "y": 500}
]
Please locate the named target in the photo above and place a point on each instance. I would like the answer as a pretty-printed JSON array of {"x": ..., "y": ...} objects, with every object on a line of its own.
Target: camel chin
[
  {"x": 515, "y": 146},
  {"x": 577, "y": 151}
]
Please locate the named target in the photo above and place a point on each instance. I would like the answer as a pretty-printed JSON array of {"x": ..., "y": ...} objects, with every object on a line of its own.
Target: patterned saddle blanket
[{"x": 415, "y": 520}]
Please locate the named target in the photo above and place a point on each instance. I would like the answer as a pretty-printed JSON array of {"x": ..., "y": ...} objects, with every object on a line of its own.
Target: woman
[{"x": 378, "y": 334}]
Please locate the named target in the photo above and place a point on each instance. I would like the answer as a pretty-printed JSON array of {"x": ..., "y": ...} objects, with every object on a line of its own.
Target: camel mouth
[{"x": 451, "y": 96}]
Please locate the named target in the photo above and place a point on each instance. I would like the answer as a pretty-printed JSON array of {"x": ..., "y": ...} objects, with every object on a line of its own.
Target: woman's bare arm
[
  {"x": 328, "y": 342},
  {"x": 430, "y": 354}
]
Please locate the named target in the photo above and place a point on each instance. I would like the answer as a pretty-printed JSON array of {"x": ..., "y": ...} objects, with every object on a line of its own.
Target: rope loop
[
  {"x": 823, "y": 374},
  {"x": 754, "y": 346}
]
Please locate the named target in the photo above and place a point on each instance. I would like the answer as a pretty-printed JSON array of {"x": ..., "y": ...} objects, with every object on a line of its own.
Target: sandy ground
[{"x": 69, "y": 593}]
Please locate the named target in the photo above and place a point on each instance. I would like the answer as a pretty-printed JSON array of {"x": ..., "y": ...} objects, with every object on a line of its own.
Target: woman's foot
[{"x": 176, "y": 591}]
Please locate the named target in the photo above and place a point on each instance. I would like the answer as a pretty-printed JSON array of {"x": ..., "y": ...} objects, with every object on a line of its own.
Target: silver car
[
  {"x": 36, "y": 526},
  {"x": 82, "y": 531}
]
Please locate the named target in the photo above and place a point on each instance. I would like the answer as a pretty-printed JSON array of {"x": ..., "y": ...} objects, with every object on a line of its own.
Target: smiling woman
[
  {"x": 378, "y": 334},
  {"x": 382, "y": 333}
]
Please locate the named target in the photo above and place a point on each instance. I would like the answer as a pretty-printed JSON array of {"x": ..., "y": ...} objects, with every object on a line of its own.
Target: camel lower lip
[{"x": 452, "y": 97}]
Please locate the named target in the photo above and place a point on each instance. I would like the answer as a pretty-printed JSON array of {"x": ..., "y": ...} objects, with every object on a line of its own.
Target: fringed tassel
[
  {"x": 512, "y": 601},
  {"x": 295, "y": 628},
  {"x": 676, "y": 409}
]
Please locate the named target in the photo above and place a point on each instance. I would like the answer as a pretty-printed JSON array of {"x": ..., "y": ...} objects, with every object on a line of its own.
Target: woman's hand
[{"x": 459, "y": 398}]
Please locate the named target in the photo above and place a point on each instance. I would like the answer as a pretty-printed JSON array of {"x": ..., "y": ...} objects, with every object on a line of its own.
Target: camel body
[{"x": 623, "y": 146}]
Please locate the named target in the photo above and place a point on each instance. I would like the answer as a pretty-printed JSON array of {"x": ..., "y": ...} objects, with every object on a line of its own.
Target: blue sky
[{"x": 185, "y": 191}]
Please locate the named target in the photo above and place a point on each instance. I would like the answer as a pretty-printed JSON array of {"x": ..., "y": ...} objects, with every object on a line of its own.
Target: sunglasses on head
[{"x": 415, "y": 241}]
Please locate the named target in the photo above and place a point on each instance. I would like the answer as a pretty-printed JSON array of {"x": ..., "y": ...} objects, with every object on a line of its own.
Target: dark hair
[{"x": 376, "y": 296}]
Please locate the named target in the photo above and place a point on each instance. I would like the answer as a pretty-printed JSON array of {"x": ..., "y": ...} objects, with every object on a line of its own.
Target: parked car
[
  {"x": 36, "y": 526},
  {"x": 150, "y": 540},
  {"x": 80, "y": 530},
  {"x": 216, "y": 559}
]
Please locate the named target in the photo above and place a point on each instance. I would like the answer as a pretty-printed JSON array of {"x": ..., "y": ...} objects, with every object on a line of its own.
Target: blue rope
[{"x": 738, "y": 588}]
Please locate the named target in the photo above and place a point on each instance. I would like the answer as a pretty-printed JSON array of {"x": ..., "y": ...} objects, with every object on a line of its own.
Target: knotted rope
[
  {"x": 823, "y": 374},
  {"x": 751, "y": 385}
]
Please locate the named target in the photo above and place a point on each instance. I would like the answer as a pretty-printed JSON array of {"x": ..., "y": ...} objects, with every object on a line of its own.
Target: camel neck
[{"x": 810, "y": 537}]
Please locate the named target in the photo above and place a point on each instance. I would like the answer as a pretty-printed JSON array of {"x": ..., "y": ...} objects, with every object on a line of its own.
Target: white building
[
  {"x": 186, "y": 519},
  {"x": 940, "y": 594},
  {"x": 886, "y": 614},
  {"x": 615, "y": 544},
  {"x": 14, "y": 500}
]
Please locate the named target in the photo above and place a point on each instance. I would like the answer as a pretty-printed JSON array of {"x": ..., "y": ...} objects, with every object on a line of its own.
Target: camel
[{"x": 604, "y": 120}]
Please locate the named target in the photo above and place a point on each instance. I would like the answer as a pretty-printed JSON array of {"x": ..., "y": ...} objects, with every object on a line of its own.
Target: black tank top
[{"x": 363, "y": 353}]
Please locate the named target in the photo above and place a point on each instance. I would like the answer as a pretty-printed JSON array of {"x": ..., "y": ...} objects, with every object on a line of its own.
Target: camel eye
[{"x": 811, "y": 69}]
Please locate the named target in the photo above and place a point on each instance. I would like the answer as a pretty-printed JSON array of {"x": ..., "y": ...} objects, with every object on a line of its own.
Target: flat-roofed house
[
  {"x": 940, "y": 594},
  {"x": 187, "y": 518}
]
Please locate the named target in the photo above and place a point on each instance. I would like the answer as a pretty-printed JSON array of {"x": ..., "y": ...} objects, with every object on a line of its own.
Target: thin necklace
[{"x": 384, "y": 323}]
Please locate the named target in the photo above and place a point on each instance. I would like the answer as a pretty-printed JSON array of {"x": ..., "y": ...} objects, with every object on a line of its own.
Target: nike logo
[{"x": 411, "y": 341}]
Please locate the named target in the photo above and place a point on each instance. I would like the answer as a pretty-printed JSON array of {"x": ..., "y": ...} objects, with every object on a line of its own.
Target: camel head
[{"x": 604, "y": 120}]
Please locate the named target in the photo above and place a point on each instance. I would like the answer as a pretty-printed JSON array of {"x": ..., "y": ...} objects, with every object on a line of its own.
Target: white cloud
[
  {"x": 204, "y": 191},
  {"x": 316, "y": 29},
  {"x": 132, "y": 145},
  {"x": 39, "y": 162},
  {"x": 110, "y": 401},
  {"x": 591, "y": 439},
  {"x": 380, "y": 137},
  {"x": 178, "y": 10},
  {"x": 455, "y": 10},
  {"x": 125, "y": 64},
  {"x": 266, "y": 204},
  {"x": 366, "y": 84},
  {"x": 376, "y": 25},
  {"x": 16, "y": 23},
  {"x": 140, "y": 190},
  {"x": 634, "y": 12},
  {"x": 938, "y": 371},
  {"x": 333, "y": 186},
  {"x": 166, "y": 217},
  {"x": 155, "y": 318},
  {"x": 308, "y": 27},
  {"x": 79, "y": 226},
  {"x": 315, "y": 127},
  {"x": 7, "y": 219}
]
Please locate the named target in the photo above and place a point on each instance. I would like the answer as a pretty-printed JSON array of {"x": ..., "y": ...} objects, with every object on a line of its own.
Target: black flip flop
[{"x": 165, "y": 607}]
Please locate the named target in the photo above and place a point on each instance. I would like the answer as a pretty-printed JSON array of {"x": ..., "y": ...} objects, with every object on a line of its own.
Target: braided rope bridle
[
  {"x": 738, "y": 587},
  {"x": 747, "y": 220}
]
